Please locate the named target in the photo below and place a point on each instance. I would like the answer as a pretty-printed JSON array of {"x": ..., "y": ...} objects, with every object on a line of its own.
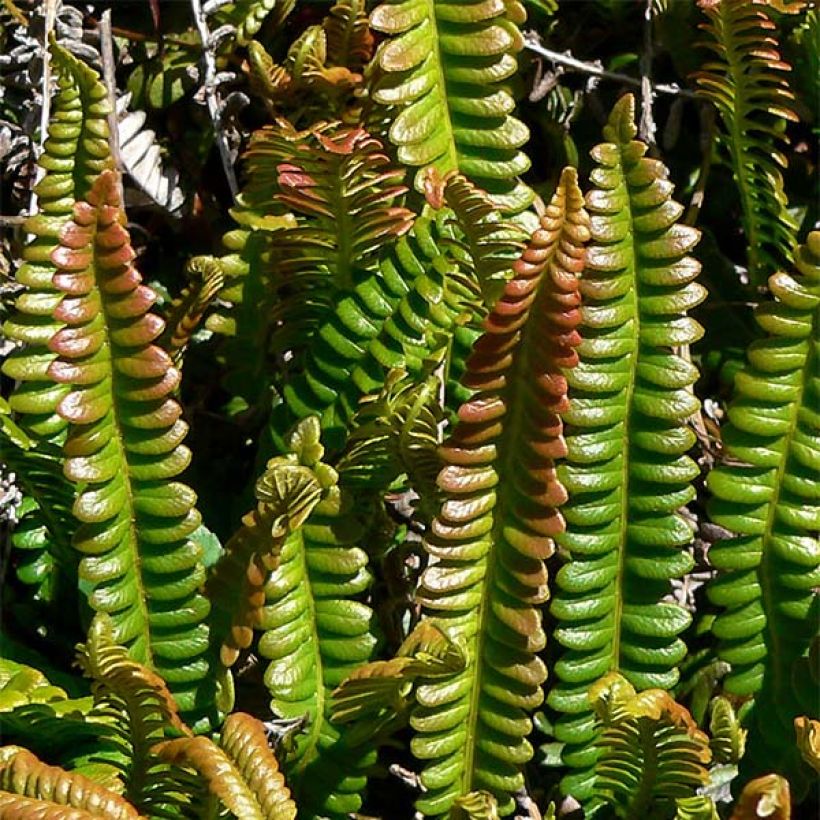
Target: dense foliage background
[{"x": 220, "y": 108}]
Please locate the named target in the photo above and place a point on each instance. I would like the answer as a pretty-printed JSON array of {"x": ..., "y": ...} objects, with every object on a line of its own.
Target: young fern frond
[
  {"x": 248, "y": 16},
  {"x": 768, "y": 496},
  {"x": 286, "y": 493},
  {"x": 315, "y": 631},
  {"x": 626, "y": 472},
  {"x": 444, "y": 67},
  {"x": 497, "y": 523},
  {"x": 767, "y": 796},
  {"x": 651, "y": 751},
  {"x": 138, "y": 696},
  {"x": 745, "y": 80},
  {"x": 396, "y": 433},
  {"x": 189, "y": 307},
  {"x": 377, "y": 696},
  {"x": 349, "y": 39},
  {"x": 21, "y": 773},
  {"x": 488, "y": 246},
  {"x": 124, "y": 447},
  {"x": 75, "y": 152},
  {"x": 222, "y": 778},
  {"x": 243, "y": 738}
]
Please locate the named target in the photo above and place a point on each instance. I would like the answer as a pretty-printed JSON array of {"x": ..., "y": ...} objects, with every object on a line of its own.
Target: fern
[
  {"x": 767, "y": 494},
  {"x": 21, "y": 773},
  {"x": 444, "y": 68},
  {"x": 248, "y": 16},
  {"x": 286, "y": 494},
  {"x": 75, "y": 152},
  {"x": 496, "y": 526},
  {"x": 349, "y": 39},
  {"x": 315, "y": 632},
  {"x": 626, "y": 471},
  {"x": 397, "y": 433},
  {"x": 124, "y": 446},
  {"x": 745, "y": 82},
  {"x": 246, "y": 749},
  {"x": 651, "y": 751},
  {"x": 767, "y": 796}
]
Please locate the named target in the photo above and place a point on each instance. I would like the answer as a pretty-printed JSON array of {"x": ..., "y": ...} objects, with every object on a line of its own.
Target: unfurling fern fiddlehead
[
  {"x": 627, "y": 473},
  {"x": 75, "y": 152},
  {"x": 769, "y": 495},
  {"x": 497, "y": 523},
  {"x": 445, "y": 68},
  {"x": 315, "y": 632},
  {"x": 745, "y": 80},
  {"x": 124, "y": 447}
]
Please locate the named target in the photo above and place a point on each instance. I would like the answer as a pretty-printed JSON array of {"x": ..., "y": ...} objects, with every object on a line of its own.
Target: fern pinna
[
  {"x": 626, "y": 472},
  {"x": 746, "y": 80},
  {"x": 315, "y": 631},
  {"x": 767, "y": 493},
  {"x": 75, "y": 151},
  {"x": 445, "y": 69},
  {"x": 496, "y": 525},
  {"x": 124, "y": 447}
]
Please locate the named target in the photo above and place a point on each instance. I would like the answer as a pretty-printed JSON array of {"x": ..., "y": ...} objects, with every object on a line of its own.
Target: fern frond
[
  {"x": 137, "y": 695},
  {"x": 18, "y": 807},
  {"x": 42, "y": 554},
  {"x": 377, "y": 696},
  {"x": 808, "y": 740},
  {"x": 189, "y": 307},
  {"x": 625, "y": 539},
  {"x": 498, "y": 521},
  {"x": 349, "y": 39},
  {"x": 651, "y": 751},
  {"x": 768, "y": 796},
  {"x": 248, "y": 16},
  {"x": 24, "y": 774},
  {"x": 286, "y": 493},
  {"x": 746, "y": 82},
  {"x": 124, "y": 446},
  {"x": 315, "y": 632},
  {"x": 489, "y": 246},
  {"x": 215, "y": 768},
  {"x": 445, "y": 67},
  {"x": 243, "y": 738},
  {"x": 395, "y": 433},
  {"x": 768, "y": 496},
  {"x": 75, "y": 152},
  {"x": 699, "y": 807},
  {"x": 728, "y": 739}
]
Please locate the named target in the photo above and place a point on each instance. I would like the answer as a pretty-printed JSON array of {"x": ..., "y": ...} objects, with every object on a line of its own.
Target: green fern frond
[
  {"x": 248, "y": 16},
  {"x": 397, "y": 433},
  {"x": 745, "y": 80},
  {"x": 651, "y": 752},
  {"x": 75, "y": 152},
  {"x": 768, "y": 496},
  {"x": 377, "y": 696},
  {"x": 497, "y": 524},
  {"x": 286, "y": 494},
  {"x": 625, "y": 539},
  {"x": 698, "y": 807},
  {"x": 42, "y": 554},
  {"x": 728, "y": 739},
  {"x": 488, "y": 245},
  {"x": 445, "y": 67},
  {"x": 124, "y": 447},
  {"x": 315, "y": 631}
]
